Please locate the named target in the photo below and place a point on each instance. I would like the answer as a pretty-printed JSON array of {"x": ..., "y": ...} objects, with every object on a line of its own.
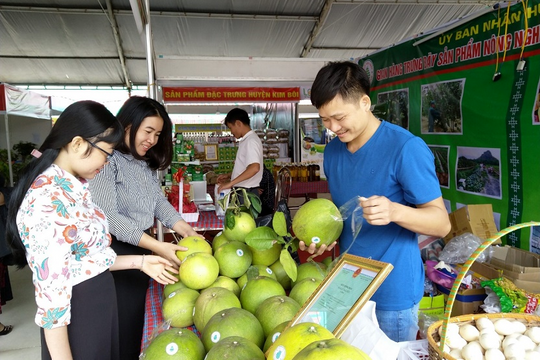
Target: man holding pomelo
[{"x": 393, "y": 172}]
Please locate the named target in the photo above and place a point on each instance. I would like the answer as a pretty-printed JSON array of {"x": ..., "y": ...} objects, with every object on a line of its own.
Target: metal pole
[
  {"x": 297, "y": 142},
  {"x": 151, "y": 87},
  {"x": 149, "y": 53},
  {"x": 8, "y": 146}
]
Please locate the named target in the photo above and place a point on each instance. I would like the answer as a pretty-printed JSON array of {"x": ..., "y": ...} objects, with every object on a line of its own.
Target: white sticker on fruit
[
  {"x": 240, "y": 252},
  {"x": 268, "y": 270},
  {"x": 315, "y": 239},
  {"x": 172, "y": 294},
  {"x": 215, "y": 336},
  {"x": 171, "y": 348},
  {"x": 279, "y": 353},
  {"x": 274, "y": 338}
]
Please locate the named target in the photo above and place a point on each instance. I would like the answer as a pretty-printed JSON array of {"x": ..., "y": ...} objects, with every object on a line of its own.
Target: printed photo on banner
[
  {"x": 441, "y": 154},
  {"x": 478, "y": 171},
  {"x": 396, "y": 106},
  {"x": 441, "y": 107}
]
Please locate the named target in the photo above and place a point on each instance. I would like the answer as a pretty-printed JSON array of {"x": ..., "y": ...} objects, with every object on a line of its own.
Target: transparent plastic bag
[
  {"x": 353, "y": 210},
  {"x": 460, "y": 248}
]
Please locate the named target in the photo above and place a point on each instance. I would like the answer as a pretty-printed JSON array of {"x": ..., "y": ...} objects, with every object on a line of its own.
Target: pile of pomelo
[{"x": 240, "y": 292}]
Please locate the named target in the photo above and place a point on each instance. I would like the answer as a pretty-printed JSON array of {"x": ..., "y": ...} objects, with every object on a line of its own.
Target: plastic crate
[{"x": 414, "y": 350}]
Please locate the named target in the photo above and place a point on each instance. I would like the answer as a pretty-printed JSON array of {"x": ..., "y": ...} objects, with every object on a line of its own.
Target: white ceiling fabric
[{"x": 72, "y": 41}]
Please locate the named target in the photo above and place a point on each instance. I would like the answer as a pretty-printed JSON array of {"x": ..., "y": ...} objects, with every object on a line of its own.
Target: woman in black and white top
[{"x": 129, "y": 192}]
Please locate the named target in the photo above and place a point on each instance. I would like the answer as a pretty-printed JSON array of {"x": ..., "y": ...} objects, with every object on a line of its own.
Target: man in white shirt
[{"x": 248, "y": 166}]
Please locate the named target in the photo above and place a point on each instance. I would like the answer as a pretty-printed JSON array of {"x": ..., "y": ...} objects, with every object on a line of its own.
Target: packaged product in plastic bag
[{"x": 459, "y": 249}]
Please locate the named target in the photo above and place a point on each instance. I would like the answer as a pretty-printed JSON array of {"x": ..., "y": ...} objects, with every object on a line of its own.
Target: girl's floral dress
[{"x": 66, "y": 238}]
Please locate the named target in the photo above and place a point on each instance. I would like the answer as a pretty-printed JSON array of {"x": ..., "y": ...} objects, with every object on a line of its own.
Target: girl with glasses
[{"x": 54, "y": 226}]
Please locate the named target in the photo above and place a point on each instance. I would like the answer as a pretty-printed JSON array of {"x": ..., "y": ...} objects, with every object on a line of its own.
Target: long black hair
[
  {"x": 132, "y": 114},
  {"x": 87, "y": 119}
]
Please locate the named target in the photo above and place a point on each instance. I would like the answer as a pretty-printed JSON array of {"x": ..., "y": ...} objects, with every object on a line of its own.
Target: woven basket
[{"x": 435, "y": 352}]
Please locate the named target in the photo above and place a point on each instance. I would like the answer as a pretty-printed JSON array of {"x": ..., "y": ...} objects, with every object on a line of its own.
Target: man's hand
[
  {"x": 378, "y": 210},
  {"x": 223, "y": 178}
]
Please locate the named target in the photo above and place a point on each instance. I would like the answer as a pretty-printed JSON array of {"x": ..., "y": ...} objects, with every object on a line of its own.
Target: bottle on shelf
[
  {"x": 168, "y": 178},
  {"x": 294, "y": 171},
  {"x": 317, "y": 172},
  {"x": 303, "y": 173},
  {"x": 311, "y": 171}
]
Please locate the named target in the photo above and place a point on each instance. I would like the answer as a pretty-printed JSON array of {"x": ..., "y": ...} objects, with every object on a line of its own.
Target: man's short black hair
[
  {"x": 345, "y": 78},
  {"x": 237, "y": 114}
]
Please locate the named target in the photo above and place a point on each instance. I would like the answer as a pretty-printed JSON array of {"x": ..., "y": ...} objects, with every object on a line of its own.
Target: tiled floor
[{"x": 23, "y": 342}]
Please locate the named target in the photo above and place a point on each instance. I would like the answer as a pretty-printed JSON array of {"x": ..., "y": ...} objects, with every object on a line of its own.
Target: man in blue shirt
[{"x": 393, "y": 172}]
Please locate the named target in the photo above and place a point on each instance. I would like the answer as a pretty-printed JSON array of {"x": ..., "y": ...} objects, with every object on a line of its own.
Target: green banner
[{"x": 471, "y": 91}]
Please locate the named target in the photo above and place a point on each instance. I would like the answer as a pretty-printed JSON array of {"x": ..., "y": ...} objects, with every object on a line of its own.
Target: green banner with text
[{"x": 471, "y": 90}]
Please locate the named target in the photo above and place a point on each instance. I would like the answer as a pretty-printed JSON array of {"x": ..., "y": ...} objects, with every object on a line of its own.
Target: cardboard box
[
  {"x": 520, "y": 266},
  {"x": 468, "y": 301},
  {"x": 474, "y": 219},
  {"x": 432, "y": 305}
]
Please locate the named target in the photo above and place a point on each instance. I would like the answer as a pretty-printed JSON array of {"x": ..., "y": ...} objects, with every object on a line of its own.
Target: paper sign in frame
[
  {"x": 330, "y": 283},
  {"x": 210, "y": 152}
]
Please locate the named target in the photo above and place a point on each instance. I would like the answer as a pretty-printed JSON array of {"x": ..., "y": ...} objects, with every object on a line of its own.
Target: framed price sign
[
  {"x": 341, "y": 295},
  {"x": 211, "y": 152}
]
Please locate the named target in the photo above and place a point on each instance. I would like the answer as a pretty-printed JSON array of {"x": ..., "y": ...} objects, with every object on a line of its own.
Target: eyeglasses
[{"x": 109, "y": 155}]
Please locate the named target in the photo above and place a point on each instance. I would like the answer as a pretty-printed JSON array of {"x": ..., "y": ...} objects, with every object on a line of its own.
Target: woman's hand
[
  {"x": 159, "y": 269},
  {"x": 192, "y": 232},
  {"x": 168, "y": 251},
  {"x": 312, "y": 248}
]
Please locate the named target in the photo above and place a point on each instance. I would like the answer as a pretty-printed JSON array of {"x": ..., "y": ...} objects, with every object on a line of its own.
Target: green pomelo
[
  {"x": 306, "y": 270},
  {"x": 281, "y": 275},
  {"x": 268, "y": 256},
  {"x": 210, "y": 302},
  {"x": 232, "y": 322},
  {"x": 227, "y": 283},
  {"x": 318, "y": 221},
  {"x": 175, "y": 344},
  {"x": 294, "y": 339},
  {"x": 199, "y": 270},
  {"x": 234, "y": 258},
  {"x": 219, "y": 240},
  {"x": 303, "y": 290},
  {"x": 169, "y": 288},
  {"x": 261, "y": 271},
  {"x": 235, "y": 348},
  {"x": 178, "y": 307},
  {"x": 258, "y": 290},
  {"x": 193, "y": 244},
  {"x": 274, "y": 334},
  {"x": 331, "y": 349},
  {"x": 243, "y": 225},
  {"x": 275, "y": 310},
  {"x": 327, "y": 261}
]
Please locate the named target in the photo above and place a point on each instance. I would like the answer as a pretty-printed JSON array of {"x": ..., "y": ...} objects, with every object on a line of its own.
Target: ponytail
[{"x": 27, "y": 177}]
